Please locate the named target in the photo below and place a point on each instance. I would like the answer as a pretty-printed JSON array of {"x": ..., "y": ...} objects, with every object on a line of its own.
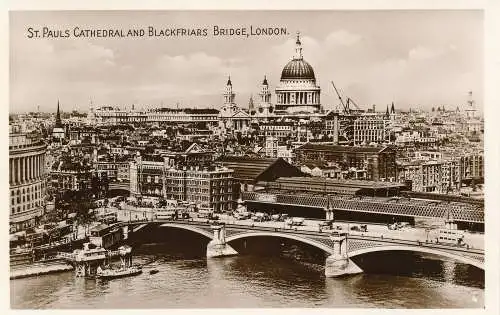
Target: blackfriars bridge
[{"x": 338, "y": 245}]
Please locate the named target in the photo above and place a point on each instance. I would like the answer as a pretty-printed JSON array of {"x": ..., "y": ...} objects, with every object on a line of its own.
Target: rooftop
[
  {"x": 253, "y": 169},
  {"x": 340, "y": 148}
]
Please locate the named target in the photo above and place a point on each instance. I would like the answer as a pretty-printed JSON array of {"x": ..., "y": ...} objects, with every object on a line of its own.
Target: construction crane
[
  {"x": 347, "y": 104},
  {"x": 346, "y": 107}
]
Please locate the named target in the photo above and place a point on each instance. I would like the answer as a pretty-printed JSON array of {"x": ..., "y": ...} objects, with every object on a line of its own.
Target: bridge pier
[
  {"x": 218, "y": 246},
  {"x": 339, "y": 264},
  {"x": 329, "y": 214},
  {"x": 125, "y": 231}
]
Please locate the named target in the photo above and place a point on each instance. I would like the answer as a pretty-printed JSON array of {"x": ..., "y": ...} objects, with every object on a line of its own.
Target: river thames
[{"x": 187, "y": 280}]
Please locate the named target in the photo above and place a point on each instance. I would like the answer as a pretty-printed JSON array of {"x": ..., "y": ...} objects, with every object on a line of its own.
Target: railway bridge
[{"x": 339, "y": 247}]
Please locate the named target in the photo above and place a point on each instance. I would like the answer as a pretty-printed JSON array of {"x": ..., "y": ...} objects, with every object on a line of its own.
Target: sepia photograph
[{"x": 172, "y": 159}]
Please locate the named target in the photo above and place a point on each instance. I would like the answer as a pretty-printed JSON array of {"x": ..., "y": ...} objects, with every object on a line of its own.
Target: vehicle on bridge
[
  {"x": 260, "y": 217},
  {"x": 398, "y": 225},
  {"x": 327, "y": 224},
  {"x": 297, "y": 221},
  {"x": 359, "y": 228},
  {"x": 165, "y": 214},
  {"x": 242, "y": 215},
  {"x": 280, "y": 217},
  {"x": 455, "y": 237},
  {"x": 207, "y": 214}
]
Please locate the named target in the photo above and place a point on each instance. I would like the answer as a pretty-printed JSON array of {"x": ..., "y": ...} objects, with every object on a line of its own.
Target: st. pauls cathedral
[{"x": 297, "y": 96}]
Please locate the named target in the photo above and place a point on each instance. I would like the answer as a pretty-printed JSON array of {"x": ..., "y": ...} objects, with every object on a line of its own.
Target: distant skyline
[{"x": 417, "y": 59}]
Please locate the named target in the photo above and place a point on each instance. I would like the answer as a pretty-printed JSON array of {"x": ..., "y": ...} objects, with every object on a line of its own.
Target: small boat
[
  {"x": 108, "y": 274},
  {"x": 154, "y": 271}
]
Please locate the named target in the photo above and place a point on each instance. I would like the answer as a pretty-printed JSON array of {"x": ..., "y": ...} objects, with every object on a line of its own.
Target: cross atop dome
[{"x": 298, "y": 47}]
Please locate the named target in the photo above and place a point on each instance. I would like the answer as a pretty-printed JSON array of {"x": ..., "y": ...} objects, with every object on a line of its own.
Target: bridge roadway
[
  {"x": 340, "y": 248},
  {"x": 394, "y": 206}
]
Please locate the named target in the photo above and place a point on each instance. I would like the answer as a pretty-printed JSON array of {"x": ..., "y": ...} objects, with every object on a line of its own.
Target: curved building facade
[
  {"x": 26, "y": 179},
  {"x": 297, "y": 91}
]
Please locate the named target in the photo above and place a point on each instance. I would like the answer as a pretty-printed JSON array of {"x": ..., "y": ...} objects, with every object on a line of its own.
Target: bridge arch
[
  {"x": 420, "y": 249},
  {"x": 189, "y": 228},
  {"x": 305, "y": 240}
]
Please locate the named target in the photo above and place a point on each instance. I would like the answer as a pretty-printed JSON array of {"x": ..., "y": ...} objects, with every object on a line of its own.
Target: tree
[{"x": 84, "y": 216}]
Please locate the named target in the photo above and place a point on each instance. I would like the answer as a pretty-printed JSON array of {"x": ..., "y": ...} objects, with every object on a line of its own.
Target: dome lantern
[{"x": 298, "y": 47}]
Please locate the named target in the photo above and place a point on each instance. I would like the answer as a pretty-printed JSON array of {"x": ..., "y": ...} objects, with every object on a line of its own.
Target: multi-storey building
[
  {"x": 437, "y": 176},
  {"x": 208, "y": 187},
  {"x": 27, "y": 180},
  {"x": 472, "y": 166},
  {"x": 113, "y": 169},
  {"x": 450, "y": 176},
  {"x": 281, "y": 130},
  {"x": 371, "y": 129},
  {"x": 271, "y": 147},
  {"x": 107, "y": 115},
  {"x": 378, "y": 162}
]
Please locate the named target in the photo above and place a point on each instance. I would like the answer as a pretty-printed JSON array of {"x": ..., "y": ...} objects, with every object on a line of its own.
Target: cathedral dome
[{"x": 298, "y": 69}]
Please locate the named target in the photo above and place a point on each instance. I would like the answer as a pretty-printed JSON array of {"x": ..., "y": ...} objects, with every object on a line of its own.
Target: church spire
[
  {"x": 298, "y": 47},
  {"x": 250, "y": 104},
  {"x": 392, "y": 108},
  {"x": 228, "y": 93},
  {"x": 387, "y": 112},
  {"x": 265, "y": 94},
  {"x": 58, "y": 116}
]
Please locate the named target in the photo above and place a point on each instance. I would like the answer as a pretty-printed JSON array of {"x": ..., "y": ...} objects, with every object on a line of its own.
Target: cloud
[
  {"x": 423, "y": 53},
  {"x": 342, "y": 38},
  {"x": 194, "y": 64}
]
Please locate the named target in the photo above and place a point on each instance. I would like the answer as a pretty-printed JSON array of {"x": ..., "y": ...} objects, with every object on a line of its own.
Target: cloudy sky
[{"x": 414, "y": 58}]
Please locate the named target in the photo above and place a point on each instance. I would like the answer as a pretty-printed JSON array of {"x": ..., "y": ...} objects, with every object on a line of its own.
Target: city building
[
  {"x": 371, "y": 129},
  {"x": 117, "y": 169},
  {"x": 271, "y": 147},
  {"x": 472, "y": 166},
  {"x": 27, "y": 180},
  {"x": 207, "y": 187},
  {"x": 69, "y": 175},
  {"x": 107, "y": 115},
  {"x": 378, "y": 163}
]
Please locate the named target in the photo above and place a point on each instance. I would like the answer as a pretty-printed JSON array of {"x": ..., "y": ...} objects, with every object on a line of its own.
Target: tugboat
[
  {"x": 154, "y": 271},
  {"x": 109, "y": 274},
  {"x": 126, "y": 269}
]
